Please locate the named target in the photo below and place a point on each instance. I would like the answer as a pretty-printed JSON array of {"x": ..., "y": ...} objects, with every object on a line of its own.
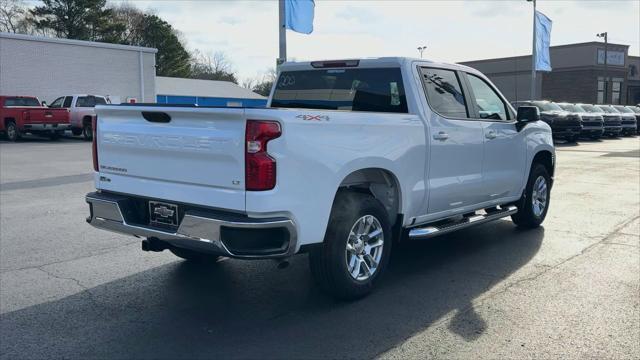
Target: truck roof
[{"x": 374, "y": 62}]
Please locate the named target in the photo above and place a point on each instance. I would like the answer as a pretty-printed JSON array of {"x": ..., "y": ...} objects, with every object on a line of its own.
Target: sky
[{"x": 453, "y": 31}]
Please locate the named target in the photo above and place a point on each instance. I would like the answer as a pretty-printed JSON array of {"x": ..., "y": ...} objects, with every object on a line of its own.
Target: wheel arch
[
  {"x": 379, "y": 182},
  {"x": 546, "y": 158}
]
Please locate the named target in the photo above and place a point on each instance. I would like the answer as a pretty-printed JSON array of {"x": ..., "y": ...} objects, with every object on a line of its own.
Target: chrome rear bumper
[{"x": 197, "y": 231}]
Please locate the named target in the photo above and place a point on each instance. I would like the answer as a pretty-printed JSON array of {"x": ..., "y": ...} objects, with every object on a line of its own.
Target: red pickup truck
[{"x": 25, "y": 114}]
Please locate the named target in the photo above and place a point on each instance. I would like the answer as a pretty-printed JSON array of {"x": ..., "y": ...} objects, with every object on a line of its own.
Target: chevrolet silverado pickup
[
  {"x": 81, "y": 110},
  {"x": 25, "y": 114},
  {"x": 612, "y": 120},
  {"x": 592, "y": 124},
  {"x": 564, "y": 124},
  {"x": 348, "y": 157},
  {"x": 629, "y": 122}
]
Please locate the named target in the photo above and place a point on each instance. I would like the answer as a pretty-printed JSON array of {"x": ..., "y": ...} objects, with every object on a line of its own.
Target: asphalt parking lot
[{"x": 570, "y": 289}]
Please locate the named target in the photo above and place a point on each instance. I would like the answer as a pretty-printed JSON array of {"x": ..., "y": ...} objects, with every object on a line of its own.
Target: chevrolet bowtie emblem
[{"x": 163, "y": 211}]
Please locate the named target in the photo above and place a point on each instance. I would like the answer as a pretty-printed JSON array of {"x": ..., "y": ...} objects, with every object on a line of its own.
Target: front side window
[
  {"x": 489, "y": 104},
  {"x": 56, "y": 103},
  {"x": 376, "y": 90},
  {"x": 444, "y": 92}
]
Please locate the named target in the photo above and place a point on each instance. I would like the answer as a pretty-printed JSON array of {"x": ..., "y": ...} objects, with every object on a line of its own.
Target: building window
[
  {"x": 616, "y": 88},
  {"x": 600, "y": 90}
]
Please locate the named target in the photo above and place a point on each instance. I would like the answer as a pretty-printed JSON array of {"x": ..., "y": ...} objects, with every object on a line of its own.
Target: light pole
[
  {"x": 606, "y": 78},
  {"x": 422, "y": 49},
  {"x": 533, "y": 54}
]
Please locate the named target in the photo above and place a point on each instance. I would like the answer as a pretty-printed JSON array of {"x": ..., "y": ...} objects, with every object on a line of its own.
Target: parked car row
[
  {"x": 26, "y": 114},
  {"x": 571, "y": 121}
]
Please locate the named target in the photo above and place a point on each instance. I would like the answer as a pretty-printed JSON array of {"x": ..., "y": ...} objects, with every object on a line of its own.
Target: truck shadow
[{"x": 239, "y": 309}]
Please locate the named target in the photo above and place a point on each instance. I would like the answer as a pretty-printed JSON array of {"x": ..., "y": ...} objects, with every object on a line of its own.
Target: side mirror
[{"x": 528, "y": 114}]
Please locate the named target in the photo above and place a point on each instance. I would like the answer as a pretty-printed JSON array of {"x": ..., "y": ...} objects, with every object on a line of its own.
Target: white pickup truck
[
  {"x": 348, "y": 157},
  {"x": 81, "y": 109}
]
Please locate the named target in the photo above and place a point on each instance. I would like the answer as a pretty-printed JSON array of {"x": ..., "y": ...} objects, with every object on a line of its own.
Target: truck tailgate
[
  {"x": 48, "y": 116},
  {"x": 188, "y": 155}
]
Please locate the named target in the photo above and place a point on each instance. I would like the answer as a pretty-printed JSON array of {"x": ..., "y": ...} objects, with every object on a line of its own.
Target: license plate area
[{"x": 163, "y": 214}]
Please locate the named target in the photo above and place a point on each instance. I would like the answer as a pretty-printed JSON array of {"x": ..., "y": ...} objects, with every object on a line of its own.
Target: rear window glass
[
  {"x": 90, "y": 101},
  {"x": 378, "y": 90},
  {"x": 21, "y": 102}
]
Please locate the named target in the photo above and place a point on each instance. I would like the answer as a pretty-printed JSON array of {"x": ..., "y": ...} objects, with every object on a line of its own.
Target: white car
[
  {"x": 82, "y": 111},
  {"x": 349, "y": 156}
]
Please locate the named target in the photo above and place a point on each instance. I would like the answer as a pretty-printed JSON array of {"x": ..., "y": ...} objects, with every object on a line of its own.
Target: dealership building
[
  {"x": 49, "y": 68},
  {"x": 578, "y": 74}
]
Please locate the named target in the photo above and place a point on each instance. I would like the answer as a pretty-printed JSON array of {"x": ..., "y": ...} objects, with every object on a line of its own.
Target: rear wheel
[
  {"x": 194, "y": 256},
  {"x": 76, "y": 131},
  {"x": 87, "y": 131},
  {"x": 356, "y": 247},
  {"x": 12, "y": 132},
  {"x": 534, "y": 204}
]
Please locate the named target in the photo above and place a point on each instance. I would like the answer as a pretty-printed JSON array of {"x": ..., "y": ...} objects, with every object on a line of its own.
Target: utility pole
[
  {"x": 282, "y": 31},
  {"x": 533, "y": 54},
  {"x": 422, "y": 49},
  {"x": 606, "y": 74}
]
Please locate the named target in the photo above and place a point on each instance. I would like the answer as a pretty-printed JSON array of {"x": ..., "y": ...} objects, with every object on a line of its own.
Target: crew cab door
[
  {"x": 456, "y": 143},
  {"x": 504, "y": 162}
]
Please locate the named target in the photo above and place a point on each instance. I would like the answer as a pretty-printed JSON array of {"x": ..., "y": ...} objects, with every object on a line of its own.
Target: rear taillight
[
  {"x": 260, "y": 168},
  {"x": 94, "y": 142}
]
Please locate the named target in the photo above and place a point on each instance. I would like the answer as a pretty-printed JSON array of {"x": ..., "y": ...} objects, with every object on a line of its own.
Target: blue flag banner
[
  {"x": 543, "y": 39},
  {"x": 299, "y": 15}
]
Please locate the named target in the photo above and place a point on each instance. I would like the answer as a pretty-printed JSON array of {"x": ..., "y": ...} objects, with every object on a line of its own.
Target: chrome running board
[{"x": 428, "y": 231}]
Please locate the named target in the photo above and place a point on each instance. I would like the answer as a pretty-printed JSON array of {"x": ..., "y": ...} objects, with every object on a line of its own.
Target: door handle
[
  {"x": 441, "y": 136},
  {"x": 491, "y": 135}
]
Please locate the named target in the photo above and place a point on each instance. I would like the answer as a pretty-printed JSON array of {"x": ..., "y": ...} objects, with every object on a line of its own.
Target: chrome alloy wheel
[
  {"x": 364, "y": 247},
  {"x": 539, "y": 196}
]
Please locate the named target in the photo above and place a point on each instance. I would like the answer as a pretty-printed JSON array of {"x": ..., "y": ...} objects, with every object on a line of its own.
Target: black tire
[
  {"x": 87, "y": 131},
  {"x": 572, "y": 139},
  {"x": 194, "y": 256},
  {"x": 55, "y": 135},
  {"x": 11, "y": 131},
  {"x": 328, "y": 262},
  {"x": 76, "y": 131},
  {"x": 526, "y": 216}
]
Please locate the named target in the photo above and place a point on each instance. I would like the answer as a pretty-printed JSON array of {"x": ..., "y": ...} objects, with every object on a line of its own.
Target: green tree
[
  {"x": 77, "y": 19},
  {"x": 149, "y": 30}
]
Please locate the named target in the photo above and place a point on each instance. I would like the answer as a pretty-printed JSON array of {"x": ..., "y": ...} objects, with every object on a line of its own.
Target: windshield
[
  {"x": 623, "y": 109},
  {"x": 579, "y": 108},
  {"x": 569, "y": 107},
  {"x": 635, "y": 109},
  {"x": 590, "y": 108},
  {"x": 547, "y": 106},
  {"x": 379, "y": 90},
  {"x": 608, "y": 109}
]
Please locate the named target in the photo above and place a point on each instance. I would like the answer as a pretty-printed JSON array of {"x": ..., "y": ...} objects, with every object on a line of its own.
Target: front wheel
[
  {"x": 534, "y": 204},
  {"x": 356, "y": 247}
]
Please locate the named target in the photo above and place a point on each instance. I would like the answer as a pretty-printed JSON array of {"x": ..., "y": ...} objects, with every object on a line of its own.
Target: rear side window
[
  {"x": 377, "y": 90},
  {"x": 67, "y": 101},
  {"x": 100, "y": 101},
  {"x": 444, "y": 92}
]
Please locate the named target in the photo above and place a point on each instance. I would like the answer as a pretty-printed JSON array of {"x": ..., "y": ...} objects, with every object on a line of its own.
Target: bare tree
[
  {"x": 212, "y": 67},
  {"x": 14, "y": 17}
]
